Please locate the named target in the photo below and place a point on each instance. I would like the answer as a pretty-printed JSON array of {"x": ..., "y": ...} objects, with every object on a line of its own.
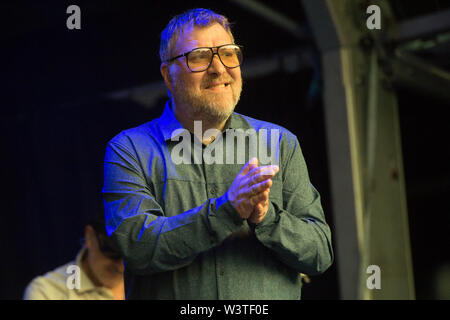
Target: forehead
[{"x": 194, "y": 37}]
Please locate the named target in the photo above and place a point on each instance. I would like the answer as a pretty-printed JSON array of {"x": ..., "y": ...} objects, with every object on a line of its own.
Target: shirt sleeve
[
  {"x": 150, "y": 240},
  {"x": 37, "y": 290},
  {"x": 296, "y": 230}
]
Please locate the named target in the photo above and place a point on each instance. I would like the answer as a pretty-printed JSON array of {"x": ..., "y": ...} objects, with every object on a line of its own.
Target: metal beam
[
  {"x": 424, "y": 26},
  {"x": 364, "y": 148},
  {"x": 407, "y": 70},
  {"x": 280, "y": 20},
  {"x": 339, "y": 154}
]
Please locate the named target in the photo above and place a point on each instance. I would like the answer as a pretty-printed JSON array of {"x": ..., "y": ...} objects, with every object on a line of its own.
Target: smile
[{"x": 217, "y": 87}]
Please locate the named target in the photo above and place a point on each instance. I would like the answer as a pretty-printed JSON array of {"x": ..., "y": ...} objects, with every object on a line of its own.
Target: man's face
[{"x": 199, "y": 92}]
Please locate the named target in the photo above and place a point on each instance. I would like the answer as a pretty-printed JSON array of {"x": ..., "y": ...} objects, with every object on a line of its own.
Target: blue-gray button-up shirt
[{"x": 182, "y": 238}]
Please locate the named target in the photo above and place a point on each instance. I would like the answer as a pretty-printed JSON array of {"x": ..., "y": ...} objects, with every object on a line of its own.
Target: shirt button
[{"x": 212, "y": 191}]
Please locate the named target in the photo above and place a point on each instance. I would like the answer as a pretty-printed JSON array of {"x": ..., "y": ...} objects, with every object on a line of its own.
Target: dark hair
[{"x": 106, "y": 244}]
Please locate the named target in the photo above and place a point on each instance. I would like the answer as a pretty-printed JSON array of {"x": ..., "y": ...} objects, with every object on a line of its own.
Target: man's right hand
[{"x": 249, "y": 186}]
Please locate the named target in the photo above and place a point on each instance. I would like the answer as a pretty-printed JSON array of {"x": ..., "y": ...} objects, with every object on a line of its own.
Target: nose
[{"x": 216, "y": 65}]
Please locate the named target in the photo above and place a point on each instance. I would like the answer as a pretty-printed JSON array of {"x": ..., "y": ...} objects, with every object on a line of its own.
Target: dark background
[{"x": 57, "y": 115}]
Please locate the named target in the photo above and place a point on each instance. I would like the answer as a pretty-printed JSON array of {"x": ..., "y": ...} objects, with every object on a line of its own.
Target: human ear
[
  {"x": 89, "y": 236},
  {"x": 165, "y": 72}
]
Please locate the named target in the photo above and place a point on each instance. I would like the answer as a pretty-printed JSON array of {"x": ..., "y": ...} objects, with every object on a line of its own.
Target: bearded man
[{"x": 209, "y": 229}]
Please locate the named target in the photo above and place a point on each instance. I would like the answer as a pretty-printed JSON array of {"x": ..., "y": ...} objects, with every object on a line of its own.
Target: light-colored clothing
[{"x": 54, "y": 284}]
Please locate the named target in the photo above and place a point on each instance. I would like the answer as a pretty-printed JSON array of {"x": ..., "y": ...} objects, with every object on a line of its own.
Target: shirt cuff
[{"x": 224, "y": 214}]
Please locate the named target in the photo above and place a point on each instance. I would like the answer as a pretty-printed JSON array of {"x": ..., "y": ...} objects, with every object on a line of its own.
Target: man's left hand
[{"x": 260, "y": 209}]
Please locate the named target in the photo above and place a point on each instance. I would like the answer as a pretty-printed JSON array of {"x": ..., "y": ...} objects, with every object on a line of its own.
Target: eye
[
  {"x": 228, "y": 53},
  {"x": 199, "y": 54}
]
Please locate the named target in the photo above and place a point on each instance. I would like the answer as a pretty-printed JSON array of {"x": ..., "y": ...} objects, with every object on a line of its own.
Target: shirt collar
[
  {"x": 168, "y": 123},
  {"x": 86, "y": 283}
]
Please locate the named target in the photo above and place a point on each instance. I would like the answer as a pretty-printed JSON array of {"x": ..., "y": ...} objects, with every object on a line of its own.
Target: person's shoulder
[
  {"x": 259, "y": 125},
  {"x": 50, "y": 286},
  {"x": 138, "y": 134}
]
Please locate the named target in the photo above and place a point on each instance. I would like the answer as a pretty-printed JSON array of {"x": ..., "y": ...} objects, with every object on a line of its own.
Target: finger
[
  {"x": 257, "y": 214},
  {"x": 258, "y": 175},
  {"x": 257, "y": 211},
  {"x": 260, "y": 187},
  {"x": 255, "y": 170},
  {"x": 259, "y": 208},
  {"x": 245, "y": 206},
  {"x": 252, "y": 168},
  {"x": 247, "y": 167},
  {"x": 262, "y": 169},
  {"x": 260, "y": 197},
  {"x": 262, "y": 173}
]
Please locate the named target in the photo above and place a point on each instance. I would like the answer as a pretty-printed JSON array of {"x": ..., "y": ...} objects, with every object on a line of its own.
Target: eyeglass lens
[{"x": 199, "y": 59}]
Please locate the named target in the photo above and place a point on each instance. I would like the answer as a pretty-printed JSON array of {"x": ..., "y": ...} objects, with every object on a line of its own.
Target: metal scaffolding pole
[{"x": 364, "y": 148}]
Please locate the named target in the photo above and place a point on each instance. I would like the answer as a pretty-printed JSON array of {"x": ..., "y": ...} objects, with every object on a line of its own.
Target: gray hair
[{"x": 195, "y": 17}]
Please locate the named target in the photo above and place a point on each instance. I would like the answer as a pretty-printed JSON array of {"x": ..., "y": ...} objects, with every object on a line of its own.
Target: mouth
[{"x": 218, "y": 86}]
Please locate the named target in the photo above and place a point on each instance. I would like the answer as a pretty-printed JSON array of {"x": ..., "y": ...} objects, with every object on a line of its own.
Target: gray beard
[{"x": 208, "y": 111}]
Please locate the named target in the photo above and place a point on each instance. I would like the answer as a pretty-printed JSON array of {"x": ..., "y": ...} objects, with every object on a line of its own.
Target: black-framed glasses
[{"x": 199, "y": 59}]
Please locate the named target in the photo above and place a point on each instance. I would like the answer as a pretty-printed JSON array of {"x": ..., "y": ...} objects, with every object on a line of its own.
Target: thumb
[{"x": 253, "y": 162}]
